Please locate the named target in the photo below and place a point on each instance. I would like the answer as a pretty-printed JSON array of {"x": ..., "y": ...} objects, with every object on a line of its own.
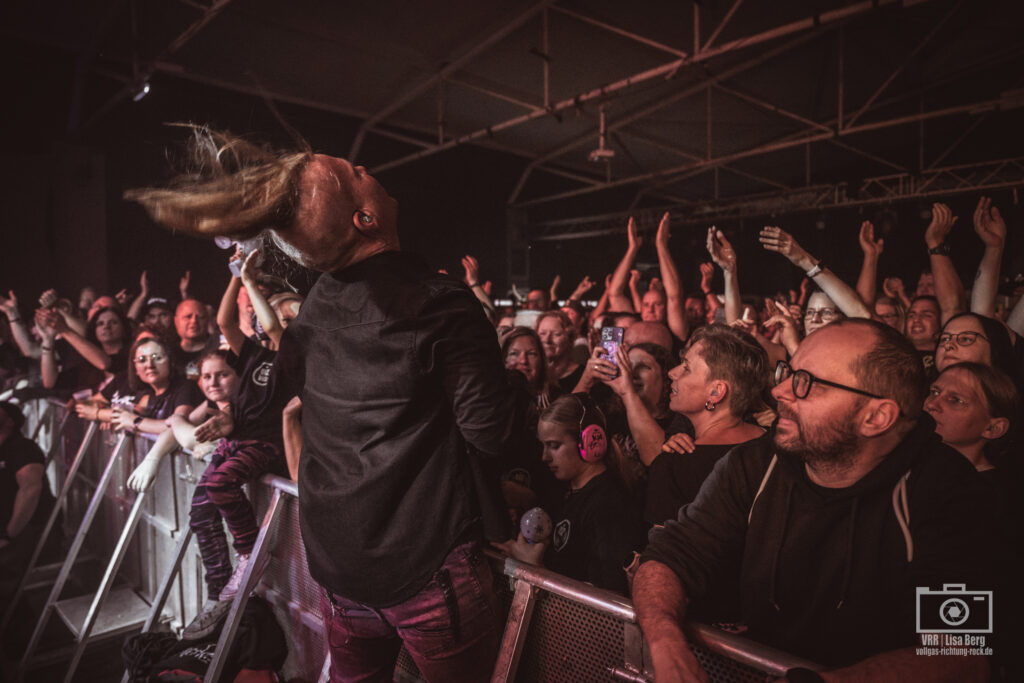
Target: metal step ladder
[
  {"x": 30, "y": 570},
  {"x": 258, "y": 563},
  {"x": 107, "y": 612},
  {"x": 259, "y": 560}
]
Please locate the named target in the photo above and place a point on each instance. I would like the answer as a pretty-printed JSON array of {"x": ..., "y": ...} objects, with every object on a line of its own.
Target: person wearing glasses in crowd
[
  {"x": 831, "y": 524},
  {"x": 969, "y": 337},
  {"x": 160, "y": 392},
  {"x": 833, "y": 300}
]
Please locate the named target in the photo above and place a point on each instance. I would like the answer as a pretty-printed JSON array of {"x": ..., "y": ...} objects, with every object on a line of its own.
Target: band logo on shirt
[
  {"x": 261, "y": 375},
  {"x": 561, "y": 535}
]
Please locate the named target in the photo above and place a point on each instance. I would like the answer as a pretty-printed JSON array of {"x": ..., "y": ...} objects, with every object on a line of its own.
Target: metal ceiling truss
[
  {"x": 879, "y": 190},
  {"x": 667, "y": 70},
  {"x": 140, "y": 75}
]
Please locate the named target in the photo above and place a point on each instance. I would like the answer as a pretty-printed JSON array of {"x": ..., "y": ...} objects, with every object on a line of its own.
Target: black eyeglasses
[
  {"x": 803, "y": 381},
  {"x": 962, "y": 338}
]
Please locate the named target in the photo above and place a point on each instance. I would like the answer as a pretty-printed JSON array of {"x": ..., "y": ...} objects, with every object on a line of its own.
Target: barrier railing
[{"x": 557, "y": 629}]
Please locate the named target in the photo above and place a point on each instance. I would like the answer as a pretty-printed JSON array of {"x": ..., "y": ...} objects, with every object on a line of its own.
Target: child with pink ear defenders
[{"x": 596, "y": 529}]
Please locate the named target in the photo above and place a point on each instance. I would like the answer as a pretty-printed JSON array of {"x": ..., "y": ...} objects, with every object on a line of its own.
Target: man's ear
[
  {"x": 365, "y": 222},
  {"x": 996, "y": 428},
  {"x": 881, "y": 416}
]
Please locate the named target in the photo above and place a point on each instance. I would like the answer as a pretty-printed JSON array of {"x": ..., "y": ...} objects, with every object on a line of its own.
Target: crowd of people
[{"x": 797, "y": 463}]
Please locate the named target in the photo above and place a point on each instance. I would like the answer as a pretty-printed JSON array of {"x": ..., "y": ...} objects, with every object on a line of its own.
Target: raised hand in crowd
[
  {"x": 585, "y": 285},
  {"x": 20, "y": 330},
  {"x": 940, "y": 226},
  {"x": 471, "y": 274},
  {"x": 805, "y": 292},
  {"x": 872, "y": 248},
  {"x": 724, "y": 256},
  {"x": 250, "y": 276},
  {"x": 48, "y": 299},
  {"x": 139, "y": 303},
  {"x": 991, "y": 228},
  {"x": 471, "y": 271},
  {"x": 841, "y": 294},
  {"x": 989, "y": 224},
  {"x": 183, "y": 285},
  {"x": 868, "y": 244},
  {"x": 9, "y": 306},
  {"x": 617, "y": 299},
  {"x": 553, "y": 290},
  {"x": 893, "y": 288},
  {"x": 786, "y": 327},
  {"x": 707, "y": 272},
  {"x": 949, "y": 290},
  {"x": 675, "y": 301}
]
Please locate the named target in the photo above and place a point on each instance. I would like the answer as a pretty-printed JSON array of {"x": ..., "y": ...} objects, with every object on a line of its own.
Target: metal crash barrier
[{"x": 557, "y": 629}]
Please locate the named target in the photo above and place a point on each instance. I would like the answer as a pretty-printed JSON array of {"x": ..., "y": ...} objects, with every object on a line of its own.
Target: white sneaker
[
  {"x": 231, "y": 589},
  {"x": 207, "y": 621}
]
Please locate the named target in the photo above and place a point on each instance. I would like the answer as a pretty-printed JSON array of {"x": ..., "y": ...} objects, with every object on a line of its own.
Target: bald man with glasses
[{"x": 829, "y": 526}]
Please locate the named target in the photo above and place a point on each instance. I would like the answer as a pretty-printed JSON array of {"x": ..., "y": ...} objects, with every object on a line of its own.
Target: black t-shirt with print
[
  {"x": 188, "y": 361},
  {"x": 257, "y": 404},
  {"x": 180, "y": 392},
  {"x": 595, "y": 533},
  {"x": 17, "y": 452}
]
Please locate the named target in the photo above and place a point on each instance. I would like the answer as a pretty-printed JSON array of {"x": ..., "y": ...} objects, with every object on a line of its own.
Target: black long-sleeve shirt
[{"x": 405, "y": 412}]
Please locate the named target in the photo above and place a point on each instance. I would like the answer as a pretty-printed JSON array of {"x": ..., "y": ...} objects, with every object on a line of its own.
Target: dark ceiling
[{"x": 711, "y": 109}]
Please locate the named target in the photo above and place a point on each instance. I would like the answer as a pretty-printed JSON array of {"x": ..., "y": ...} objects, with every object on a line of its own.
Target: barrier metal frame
[
  {"x": 76, "y": 546},
  {"x": 60, "y": 499},
  {"x": 530, "y": 585}
]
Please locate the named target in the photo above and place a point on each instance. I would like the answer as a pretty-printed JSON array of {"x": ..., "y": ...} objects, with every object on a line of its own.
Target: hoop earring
[{"x": 709, "y": 406}]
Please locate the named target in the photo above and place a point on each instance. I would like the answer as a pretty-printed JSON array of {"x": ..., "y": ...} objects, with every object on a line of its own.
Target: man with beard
[{"x": 830, "y": 525}]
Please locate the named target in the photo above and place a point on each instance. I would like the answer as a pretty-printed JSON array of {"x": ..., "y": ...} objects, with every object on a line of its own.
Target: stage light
[{"x": 140, "y": 91}]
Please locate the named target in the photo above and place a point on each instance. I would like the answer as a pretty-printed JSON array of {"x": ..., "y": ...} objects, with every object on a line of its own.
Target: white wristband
[{"x": 815, "y": 270}]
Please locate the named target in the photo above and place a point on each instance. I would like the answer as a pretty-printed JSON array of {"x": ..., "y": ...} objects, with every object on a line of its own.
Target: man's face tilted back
[{"x": 343, "y": 217}]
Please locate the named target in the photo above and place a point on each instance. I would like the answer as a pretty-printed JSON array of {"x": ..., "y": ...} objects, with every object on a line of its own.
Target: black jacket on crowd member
[
  {"x": 401, "y": 378},
  {"x": 824, "y": 573},
  {"x": 257, "y": 405}
]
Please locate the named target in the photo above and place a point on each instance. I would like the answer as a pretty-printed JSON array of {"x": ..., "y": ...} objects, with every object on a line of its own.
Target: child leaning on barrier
[{"x": 248, "y": 445}]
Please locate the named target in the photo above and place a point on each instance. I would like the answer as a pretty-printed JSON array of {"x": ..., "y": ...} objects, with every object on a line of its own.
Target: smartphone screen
[{"x": 611, "y": 340}]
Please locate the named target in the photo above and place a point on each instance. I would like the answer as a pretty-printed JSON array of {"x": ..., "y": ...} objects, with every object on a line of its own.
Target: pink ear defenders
[{"x": 593, "y": 443}]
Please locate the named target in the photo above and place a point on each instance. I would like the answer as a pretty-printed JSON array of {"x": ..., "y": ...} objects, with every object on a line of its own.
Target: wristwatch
[{"x": 940, "y": 250}]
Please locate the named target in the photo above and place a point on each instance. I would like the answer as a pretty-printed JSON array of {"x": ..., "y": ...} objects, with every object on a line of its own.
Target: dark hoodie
[{"x": 824, "y": 573}]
